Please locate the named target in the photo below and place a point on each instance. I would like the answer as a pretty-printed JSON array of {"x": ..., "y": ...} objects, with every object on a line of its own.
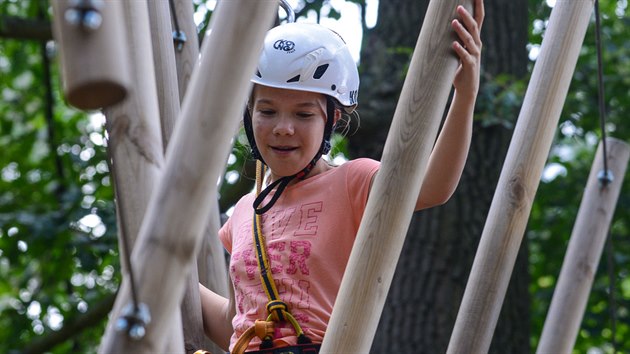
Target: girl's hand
[{"x": 468, "y": 48}]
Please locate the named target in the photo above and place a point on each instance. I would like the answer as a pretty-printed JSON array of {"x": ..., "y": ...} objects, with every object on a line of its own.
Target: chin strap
[{"x": 283, "y": 182}]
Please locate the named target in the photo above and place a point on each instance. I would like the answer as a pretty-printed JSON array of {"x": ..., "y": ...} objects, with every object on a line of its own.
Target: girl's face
[{"x": 288, "y": 126}]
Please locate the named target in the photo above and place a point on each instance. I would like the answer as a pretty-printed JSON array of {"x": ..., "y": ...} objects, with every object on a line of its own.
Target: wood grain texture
[
  {"x": 169, "y": 106},
  {"x": 392, "y": 197},
  {"x": 520, "y": 177},
  {"x": 188, "y": 56},
  {"x": 584, "y": 251},
  {"x": 135, "y": 148},
  {"x": 178, "y": 210},
  {"x": 165, "y": 68}
]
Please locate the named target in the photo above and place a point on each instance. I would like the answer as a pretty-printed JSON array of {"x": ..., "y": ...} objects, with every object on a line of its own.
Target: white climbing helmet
[{"x": 309, "y": 57}]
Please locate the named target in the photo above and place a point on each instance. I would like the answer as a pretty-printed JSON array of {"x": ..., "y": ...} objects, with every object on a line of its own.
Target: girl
[{"x": 289, "y": 244}]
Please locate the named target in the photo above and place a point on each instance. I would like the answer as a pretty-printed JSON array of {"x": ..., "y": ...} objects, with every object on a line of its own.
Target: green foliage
[
  {"x": 498, "y": 99},
  {"x": 57, "y": 221}
]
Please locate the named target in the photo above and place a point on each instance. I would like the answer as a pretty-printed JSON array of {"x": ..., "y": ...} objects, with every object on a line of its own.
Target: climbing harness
[{"x": 277, "y": 309}]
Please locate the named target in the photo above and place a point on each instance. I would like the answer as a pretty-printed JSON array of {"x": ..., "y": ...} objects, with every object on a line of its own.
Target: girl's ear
[{"x": 337, "y": 116}]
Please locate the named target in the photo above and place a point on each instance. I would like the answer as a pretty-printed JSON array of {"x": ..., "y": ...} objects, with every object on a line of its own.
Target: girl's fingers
[
  {"x": 472, "y": 45},
  {"x": 470, "y": 23},
  {"x": 480, "y": 12}
]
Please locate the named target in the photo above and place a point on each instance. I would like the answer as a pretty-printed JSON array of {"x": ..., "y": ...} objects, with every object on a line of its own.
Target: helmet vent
[
  {"x": 319, "y": 72},
  {"x": 296, "y": 78},
  {"x": 258, "y": 73}
]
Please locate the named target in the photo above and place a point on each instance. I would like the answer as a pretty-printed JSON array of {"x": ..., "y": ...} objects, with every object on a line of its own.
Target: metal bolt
[
  {"x": 137, "y": 332},
  {"x": 92, "y": 20},
  {"x": 179, "y": 37},
  {"x": 605, "y": 177},
  {"x": 85, "y": 13}
]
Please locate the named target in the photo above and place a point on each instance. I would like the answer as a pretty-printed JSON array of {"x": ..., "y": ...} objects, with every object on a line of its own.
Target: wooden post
[
  {"x": 94, "y": 68},
  {"x": 187, "y": 56},
  {"x": 133, "y": 127},
  {"x": 178, "y": 210},
  {"x": 585, "y": 248},
  {"x": 393, "y": 196},
  {"x": 211, "y": 268},
  {"x": 165, "y": 68},
  {"x": 135, "y": 143},
  {"x": 519, "y": 178},
  {"x": 169, "y": 106},
  {"x": 211, "y": 265}
]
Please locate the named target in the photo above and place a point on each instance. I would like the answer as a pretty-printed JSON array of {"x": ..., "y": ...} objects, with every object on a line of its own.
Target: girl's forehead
[{"x": 265, "y": 94}]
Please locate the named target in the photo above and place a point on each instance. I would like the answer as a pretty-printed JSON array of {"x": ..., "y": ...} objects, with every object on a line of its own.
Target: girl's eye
[
  {"x": 266, "y": 112},
  {"x": 305, "y": 114}
]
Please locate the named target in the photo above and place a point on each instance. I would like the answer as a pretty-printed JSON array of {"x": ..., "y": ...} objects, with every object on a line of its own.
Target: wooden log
[
  {"x": 211, "y": 265},
  {"x": 178, "y": 210},
  {"x": 169, "y": 107},
  {"x": 393, "y": 196},
  {"x": 165, "y": 68},
  {"x": 519, "y": 178},
  {"x": 133, "y": 128},
  {"x": 211, "y": 268},
  {"x": 211, "y": 259},
  {"x": 585, "y": 248},
  {"x": 187, "y": 56},
  {"x": 135, "y": 146},
  {"x": 94, "y": 68}
]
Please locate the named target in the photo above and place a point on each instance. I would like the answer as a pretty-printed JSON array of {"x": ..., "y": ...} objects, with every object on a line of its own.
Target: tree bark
[{"x": 441, "y": 243}]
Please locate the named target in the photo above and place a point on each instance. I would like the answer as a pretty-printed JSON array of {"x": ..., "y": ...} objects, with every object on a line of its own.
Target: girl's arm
[
  {"x": 217, "y": 313},
  {"x": 448, "y": 157}
]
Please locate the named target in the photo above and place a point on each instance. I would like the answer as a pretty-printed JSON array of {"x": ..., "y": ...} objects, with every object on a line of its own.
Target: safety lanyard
[{"x": 277, "y": 309}]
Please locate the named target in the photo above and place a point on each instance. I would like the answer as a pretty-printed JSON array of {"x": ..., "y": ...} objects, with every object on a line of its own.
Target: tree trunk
[{"x": 435, "y": 262}]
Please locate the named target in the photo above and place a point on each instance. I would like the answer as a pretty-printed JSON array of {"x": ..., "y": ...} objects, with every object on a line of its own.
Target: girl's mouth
[{"x": 283, "y": 148}]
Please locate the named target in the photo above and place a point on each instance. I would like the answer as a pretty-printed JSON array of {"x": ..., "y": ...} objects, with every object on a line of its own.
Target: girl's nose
[{"x": 284, "y": 126}]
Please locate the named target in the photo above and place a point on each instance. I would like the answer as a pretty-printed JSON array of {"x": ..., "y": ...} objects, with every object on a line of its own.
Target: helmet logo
[
  {"x": 354, "y": 96},
  {"x": 285, "y": 45}
]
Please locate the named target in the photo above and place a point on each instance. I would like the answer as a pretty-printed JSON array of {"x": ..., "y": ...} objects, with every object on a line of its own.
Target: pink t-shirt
[{"x": 309, "y": 234}]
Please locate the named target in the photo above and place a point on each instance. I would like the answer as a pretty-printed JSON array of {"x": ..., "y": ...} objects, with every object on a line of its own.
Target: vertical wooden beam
[
  {"x": 392, "y": 198},
  {"x": 211, "y": 268},
  {"x": 211, "y": 265},
  {"x": 188, "y": 55},
  {"x": 94, "y": 68},
  {"x": 135, "y": 143},
  {"x": 133, "y": 127},
  {"x": 526, "y": 157},
  {"x": 585, "y": 248},
  {"x": 169, "y": 106},
  {"x": 165, "y": 68},
  {"x": 178, "y": 210}
]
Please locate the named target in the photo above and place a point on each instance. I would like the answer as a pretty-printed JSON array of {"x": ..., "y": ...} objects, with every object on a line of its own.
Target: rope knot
[{"x": 277, "y": 309}]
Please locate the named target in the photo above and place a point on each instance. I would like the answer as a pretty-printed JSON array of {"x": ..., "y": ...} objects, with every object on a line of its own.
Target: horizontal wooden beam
[{"x": 25, "y": 28}]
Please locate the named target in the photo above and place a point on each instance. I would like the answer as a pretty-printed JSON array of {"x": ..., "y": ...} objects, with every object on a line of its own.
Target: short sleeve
[
  {"x": 359, "y": 178},
  {"x": 225, "y": 235}
]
